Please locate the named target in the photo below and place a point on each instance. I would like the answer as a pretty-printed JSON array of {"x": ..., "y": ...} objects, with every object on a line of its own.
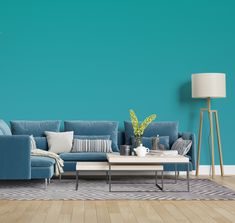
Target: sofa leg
[
  {"x": 49, "y": 180},
  {"x": 60, "y": 177},
  {"x": 107, "y": 177},
  {"x": 45, "y": 183}
]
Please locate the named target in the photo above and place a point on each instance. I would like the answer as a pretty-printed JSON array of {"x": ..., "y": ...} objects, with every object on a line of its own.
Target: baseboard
[{"x": 206, "y": 170}]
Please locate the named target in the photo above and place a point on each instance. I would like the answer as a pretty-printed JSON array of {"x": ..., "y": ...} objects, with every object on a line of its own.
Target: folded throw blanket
[{"x": 59, "y": 163}]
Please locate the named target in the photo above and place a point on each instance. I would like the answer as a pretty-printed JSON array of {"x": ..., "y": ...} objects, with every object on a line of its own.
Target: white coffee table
[
  {"x": 105, "y": 166},
  {"x": 90, "y": 166},
  {"x": 158, "y": 160}
]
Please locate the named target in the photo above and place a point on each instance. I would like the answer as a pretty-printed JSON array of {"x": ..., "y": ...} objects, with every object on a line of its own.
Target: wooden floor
[{"x": 121, "y": 211}]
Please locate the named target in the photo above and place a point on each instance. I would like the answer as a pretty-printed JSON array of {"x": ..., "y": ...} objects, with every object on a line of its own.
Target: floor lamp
[{"x": 209, "y": 85}]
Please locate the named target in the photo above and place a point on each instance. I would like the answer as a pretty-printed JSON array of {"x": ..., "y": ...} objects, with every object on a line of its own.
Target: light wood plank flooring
[{"x": 120, "y": 211}]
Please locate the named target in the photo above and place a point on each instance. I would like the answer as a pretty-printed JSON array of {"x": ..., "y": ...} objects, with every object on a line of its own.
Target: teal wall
[{"x": 96, "y": 59}]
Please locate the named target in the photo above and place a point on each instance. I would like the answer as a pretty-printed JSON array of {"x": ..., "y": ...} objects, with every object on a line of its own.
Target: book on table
[{"x": 163, "y": 152}]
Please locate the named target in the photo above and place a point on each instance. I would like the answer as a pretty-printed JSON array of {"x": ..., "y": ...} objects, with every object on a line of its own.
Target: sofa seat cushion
[
  {"x": 40, "y": 161},
  {"x": 86, "y": 156}
]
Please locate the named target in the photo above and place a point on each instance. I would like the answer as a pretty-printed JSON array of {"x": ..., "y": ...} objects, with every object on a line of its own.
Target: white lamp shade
[{"x": 208, "y": 85}]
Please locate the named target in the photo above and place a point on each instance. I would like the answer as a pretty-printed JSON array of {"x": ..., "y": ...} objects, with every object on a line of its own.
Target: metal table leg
[
  {"x": 188, "y": 177},
  {"x": 160, "y": 187},
  {"x": 109, "y": 177},
  {"x": 176, "y": 173},
  {"x": 176, "y": 178},
  {"x": 156, "y": 177},
  {"x": 77, "y": 180}
]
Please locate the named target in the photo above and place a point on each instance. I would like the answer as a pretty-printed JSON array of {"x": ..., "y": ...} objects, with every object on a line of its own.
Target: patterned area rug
[{"x": 97, "y": 189}]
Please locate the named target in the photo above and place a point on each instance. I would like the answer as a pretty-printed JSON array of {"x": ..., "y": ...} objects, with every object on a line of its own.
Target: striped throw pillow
[
  {"x": 92, "y": 145},
  {"x": 182, "y": 146}
]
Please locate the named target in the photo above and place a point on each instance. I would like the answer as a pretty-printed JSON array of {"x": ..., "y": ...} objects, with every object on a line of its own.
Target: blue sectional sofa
[{"x": 16, "y": 161}]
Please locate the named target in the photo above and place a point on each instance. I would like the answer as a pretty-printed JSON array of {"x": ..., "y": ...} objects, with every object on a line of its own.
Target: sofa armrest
[
  {"x": 192, "y": 151},
  {"x": 15, "y": 157}
]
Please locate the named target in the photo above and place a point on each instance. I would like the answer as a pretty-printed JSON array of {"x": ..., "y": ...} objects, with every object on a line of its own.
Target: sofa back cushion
[
  {"x": 155, "y": 128},
  {"x": 95, "y": 128},
  {"x": 121, "y": 138},
  {"x": 92, "y": 137},
  {"x": 35, "y": 128},
  {"x": 4, "y": 128}
]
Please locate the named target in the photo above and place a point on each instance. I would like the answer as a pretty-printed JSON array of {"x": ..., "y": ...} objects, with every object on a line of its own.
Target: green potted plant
[{"x": 139, "y": 128}]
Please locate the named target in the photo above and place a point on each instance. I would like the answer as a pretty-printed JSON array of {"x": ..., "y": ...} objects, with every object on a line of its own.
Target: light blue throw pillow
[{"x": 41, "y": 143}]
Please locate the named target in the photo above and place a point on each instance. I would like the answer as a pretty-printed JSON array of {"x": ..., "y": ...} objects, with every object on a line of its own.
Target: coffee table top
[{"x": 156, "y": 158}]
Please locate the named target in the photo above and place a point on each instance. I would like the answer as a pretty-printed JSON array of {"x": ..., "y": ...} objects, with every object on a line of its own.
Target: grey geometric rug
[{"x": 97, "y": 189}]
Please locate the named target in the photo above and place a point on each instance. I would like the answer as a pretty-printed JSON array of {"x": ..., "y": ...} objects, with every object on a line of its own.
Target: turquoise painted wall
[{"x": 96, "y": 59}]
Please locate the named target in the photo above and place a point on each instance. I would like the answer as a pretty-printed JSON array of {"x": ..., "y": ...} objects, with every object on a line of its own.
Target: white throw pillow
[{"x": 59, "y": 142}]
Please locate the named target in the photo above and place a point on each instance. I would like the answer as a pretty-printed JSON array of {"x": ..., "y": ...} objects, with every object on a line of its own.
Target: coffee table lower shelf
[
  {"x": 109, "y": 168},
  {"x": 134, "y": 167}
]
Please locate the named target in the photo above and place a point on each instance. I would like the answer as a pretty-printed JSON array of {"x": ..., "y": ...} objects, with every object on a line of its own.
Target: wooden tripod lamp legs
[
  {"x": 219, "y": 143},
  {"x": 199, "y": 143},
  {"x": 212, "y": 144},
  {"x": 210, "y": 113}
]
